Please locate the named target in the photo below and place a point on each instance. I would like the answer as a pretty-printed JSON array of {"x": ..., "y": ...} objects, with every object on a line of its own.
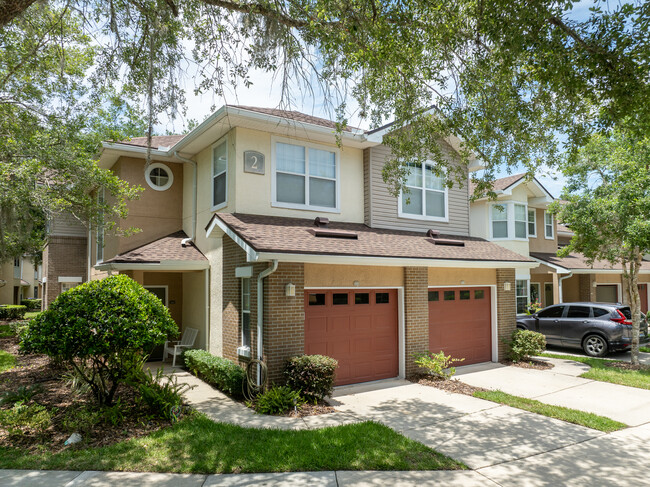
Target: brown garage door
[
  {"x": 460, "y": 323},
  {"x": 356, "y": 327}
]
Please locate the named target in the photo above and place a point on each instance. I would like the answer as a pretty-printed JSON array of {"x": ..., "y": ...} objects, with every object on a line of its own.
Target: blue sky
[{"x": 265, "y": 92}]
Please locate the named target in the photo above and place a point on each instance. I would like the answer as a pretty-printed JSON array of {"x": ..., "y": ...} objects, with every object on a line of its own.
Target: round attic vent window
[{"x": 159, "y": 176}]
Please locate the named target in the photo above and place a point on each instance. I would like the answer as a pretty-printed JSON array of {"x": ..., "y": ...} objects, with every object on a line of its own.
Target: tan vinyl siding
[
  {"x": 65, "y": 225},
  {"x": 367, "y": 208},
  {"x": 383, "y": 206}
]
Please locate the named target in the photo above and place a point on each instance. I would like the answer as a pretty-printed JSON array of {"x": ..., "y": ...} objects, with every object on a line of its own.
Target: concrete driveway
[{"x": 644, "y": 357}]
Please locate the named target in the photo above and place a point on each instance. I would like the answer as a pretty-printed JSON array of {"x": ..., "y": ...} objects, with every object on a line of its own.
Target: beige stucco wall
[
  {"x": 571, "y": 289},
  {"x": 454, "y": 276},
  {"x": 321, "y": 275},
  {"x": 193, "y": 313},
  {"x": 541, "y": 243},
  {"x": 7, "y": 291}
]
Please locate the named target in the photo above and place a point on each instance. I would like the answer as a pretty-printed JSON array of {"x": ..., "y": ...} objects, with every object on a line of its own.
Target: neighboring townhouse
[
  {"x": 271, "y": 239},
  {"x": 518, "y": 220},
  {"x": 20, "y": 278}
]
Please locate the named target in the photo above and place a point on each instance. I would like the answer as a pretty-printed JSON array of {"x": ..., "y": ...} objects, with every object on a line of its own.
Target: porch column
[
  {"x": 416, "y": 314},
  {"x": 556, "y": 289}
]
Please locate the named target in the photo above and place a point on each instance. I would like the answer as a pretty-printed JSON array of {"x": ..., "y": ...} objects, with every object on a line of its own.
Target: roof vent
[
  {"x": 331, "y": 233},
  {"x": 321, "y": 221},
  {"x": 448, "y": 242},
  {"x": 433, "y": 233}
]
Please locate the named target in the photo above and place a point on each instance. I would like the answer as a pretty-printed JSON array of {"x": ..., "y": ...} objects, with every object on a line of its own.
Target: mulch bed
[
  {"x": 626, "y": 366},
  {"x": 56, "y": 396},
  {"x": 530, "y": 364},
  {"x": 310, "y": 409},
  {"x": 450, "y": 385}
]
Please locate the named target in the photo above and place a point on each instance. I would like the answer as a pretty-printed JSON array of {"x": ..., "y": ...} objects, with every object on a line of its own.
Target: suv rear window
[
  {"x": 554, "y": 312},
  {"x": 626, "y": 312},
  {"x": 600, "y": 312}
]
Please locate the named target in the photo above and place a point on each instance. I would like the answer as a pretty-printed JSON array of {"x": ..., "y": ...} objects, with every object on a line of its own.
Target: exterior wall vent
[{"x": 433, "y": 233}]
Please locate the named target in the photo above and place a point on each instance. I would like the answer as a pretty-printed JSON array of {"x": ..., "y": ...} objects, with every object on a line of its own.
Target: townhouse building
[
  {"x": 272, "y": 239},
  {"x": 20, "y": 278}
]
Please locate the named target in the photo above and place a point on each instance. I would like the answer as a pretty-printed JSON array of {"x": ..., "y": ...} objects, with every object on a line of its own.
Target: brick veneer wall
[
  {"x": 506, "y": 309},
  {"x": 284, "y": 323},
  {"x": 586, "y": 289},
  {"x": 64, "y": 256},
  {"x": 284, "y": 316},
  {"x": 416, "y": 314}
]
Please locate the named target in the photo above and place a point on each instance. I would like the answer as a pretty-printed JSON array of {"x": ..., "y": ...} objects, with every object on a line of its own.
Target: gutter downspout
[
  {"x": 559, "y": 284},
  {"x": 185, "y": 241},
  {"x": 90, "y": 249},
  {"x": 260, "y": 313}
]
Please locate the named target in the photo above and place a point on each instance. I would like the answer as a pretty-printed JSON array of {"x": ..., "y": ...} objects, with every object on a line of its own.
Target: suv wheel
[{"x": 595, "y": 346}]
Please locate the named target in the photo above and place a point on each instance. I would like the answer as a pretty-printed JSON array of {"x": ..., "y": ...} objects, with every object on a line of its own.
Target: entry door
[
  {"x": 643, "y": 294},
  {"x": 159, "y": 291},
  {"x": 548, "y": 294},
  {"x": 607, "y": 293}
]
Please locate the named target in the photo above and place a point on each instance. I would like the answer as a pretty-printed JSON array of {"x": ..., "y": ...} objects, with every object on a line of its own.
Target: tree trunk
[{"x": 631, "y": 279}]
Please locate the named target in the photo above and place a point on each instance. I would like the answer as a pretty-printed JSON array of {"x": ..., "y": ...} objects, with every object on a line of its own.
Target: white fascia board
[
  {"x": 203, "y": 126},
  {"x": 164, "y": 265},
  {"x": 559, "y": 269},
  {"x": 605, "y": 271},
  {"x": 218, "y": 229},
  {"x": 391, "y": 261}
]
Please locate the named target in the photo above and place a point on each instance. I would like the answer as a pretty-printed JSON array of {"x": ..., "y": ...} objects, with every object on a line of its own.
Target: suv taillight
[{"x": 621, "y": 318}]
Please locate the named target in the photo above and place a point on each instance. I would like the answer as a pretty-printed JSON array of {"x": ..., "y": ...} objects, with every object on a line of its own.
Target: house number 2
[{"x": 253, "y": 162}]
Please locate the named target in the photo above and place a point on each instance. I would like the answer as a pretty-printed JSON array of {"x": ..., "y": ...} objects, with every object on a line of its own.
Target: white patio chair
[{"x": 176, "y": 348}]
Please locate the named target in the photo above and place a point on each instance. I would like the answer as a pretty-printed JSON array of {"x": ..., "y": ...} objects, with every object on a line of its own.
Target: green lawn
[
  {"x": 601, "y": 372},
  {"x": 644, "y": 349},
  {"x": 569, "y": 415},
  {"x": 199, "y": 445},
  {"x": 7, "y": 361},
  {"x": 6, "y": 331}
]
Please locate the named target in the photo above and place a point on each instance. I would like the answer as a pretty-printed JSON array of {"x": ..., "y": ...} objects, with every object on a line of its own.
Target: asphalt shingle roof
[
  {"x": 296, "y": 235},
  {"x": 293, "y": 115},
  {"x": 156, "y": 141},
  {"x": 165, "y": 248},
  {"x": 577, "y": 261}
]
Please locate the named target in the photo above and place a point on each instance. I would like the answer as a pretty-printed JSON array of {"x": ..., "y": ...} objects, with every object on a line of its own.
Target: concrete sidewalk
[
  {"x": 40, "y": 478},
  {"x": 561, "y": 386}
]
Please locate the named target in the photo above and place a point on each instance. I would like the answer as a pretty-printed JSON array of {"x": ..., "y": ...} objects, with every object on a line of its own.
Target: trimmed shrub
[
  {"x": 277, "y": 400},
  {"x": 311, "y": 375},
  {"x": 12, "y": 312},
  {"x": 31, "y": 304},
  {"x": 23, "y": 419},
  {"x": 102, "y": 330},
  {"x": 223, "y": 374},
  {"x": 524, "y": 344},
  {"x": 437, "y": 364}
]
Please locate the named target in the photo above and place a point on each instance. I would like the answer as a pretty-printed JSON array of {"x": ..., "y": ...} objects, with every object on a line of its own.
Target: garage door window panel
[
  {"x": 382, "y": 298},
  {"x": 317, "y": 299},
  {"x": 361, "y": 298},
  {"x": 339, "y": 299},
  {"x": 450, "y": 295}
]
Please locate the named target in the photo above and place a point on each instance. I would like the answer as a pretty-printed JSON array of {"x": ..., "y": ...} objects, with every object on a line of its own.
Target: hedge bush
[
  {"x": 524, "y": 344},
  {"x": 12, "y": 312},
  {"x": 32, "y": 304},
  {"x": 312, "y": 375},
  {"x": 101, "y": 329},
  {"x": 223, "y": 374}
]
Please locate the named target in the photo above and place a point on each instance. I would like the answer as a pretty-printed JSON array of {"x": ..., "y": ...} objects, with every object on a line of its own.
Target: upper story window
[
  {"x": 159, "y": 176},
  {"x": 509, "y": 220},
  {"x": 17, "y": 262},
  {"x": 305, "y": 176},
  {"x": 220, "y": 175},
  {"x": 548, "y": 225},
  {"x": 532, "y": 223},
  {"x": 427, "y": 195},
  {"x": 17, "y": 270}
]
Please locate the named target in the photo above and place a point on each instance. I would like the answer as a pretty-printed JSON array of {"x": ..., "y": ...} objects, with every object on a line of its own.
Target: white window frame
[
  {"x": 248, "y": 312},
  {"x": 306, "y": 206},
  {"x": 534, "y": 222},
  {"x": 159, "y": 165},
  {"x": 527, "y": 295},
  {"x": 424, "y": 216},
  {"x": 514, "y": 221},
  {"x": 509, "y": 207},
  {"x": 221, "y": 141},
  {"x": 100, "y": 231},
  {"x": 546, "y": 225}
]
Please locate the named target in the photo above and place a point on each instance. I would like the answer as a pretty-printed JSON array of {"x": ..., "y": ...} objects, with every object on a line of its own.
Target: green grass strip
[
  {"x": 199, "y": 445},
  {"x": 644, "y": 349},
  {"x": 6, "y": 331},
  {"x": 7, "y": 361},
  {"x": 569, "y": 415},
  {"x": 600, "y": 371}
]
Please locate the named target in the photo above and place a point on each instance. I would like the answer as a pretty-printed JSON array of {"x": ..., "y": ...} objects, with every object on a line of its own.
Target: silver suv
[{"x": 597, "y": 328}]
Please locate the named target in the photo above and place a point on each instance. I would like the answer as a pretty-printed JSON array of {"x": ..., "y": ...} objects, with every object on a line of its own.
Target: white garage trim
[
  {"x": 401, "y": 333},
  {"x": 494, "y": 332}
]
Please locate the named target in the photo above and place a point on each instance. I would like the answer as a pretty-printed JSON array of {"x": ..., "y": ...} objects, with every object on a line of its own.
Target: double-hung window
[
  {"x": 521, "y": 221},
  {"x": 500, "y": 221},
  {"x": 548, "y": 225},
  {"x": 521, "y": 293},
  {"x": 427, "y": 194},
  {"x": 532, "y": 223},
  {"x": 246, "y": 312},
  {"x": 305, "y": 176},
  {"x": 220, "y": 175}
]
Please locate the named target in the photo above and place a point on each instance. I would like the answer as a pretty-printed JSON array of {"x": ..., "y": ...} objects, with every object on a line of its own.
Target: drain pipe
[
  {"x": 186, "y": 241},
  {"x": 559, "y": 284},
  {"x": 260, "y": 314}
]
